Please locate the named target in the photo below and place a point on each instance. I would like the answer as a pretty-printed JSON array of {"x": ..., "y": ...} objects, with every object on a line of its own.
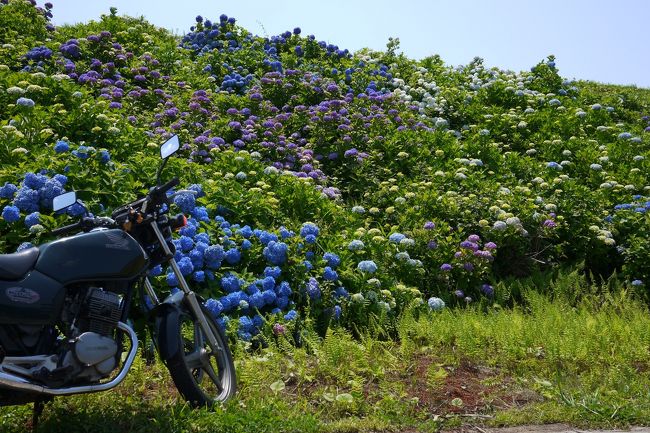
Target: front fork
[{"x": 188, "y": 294}]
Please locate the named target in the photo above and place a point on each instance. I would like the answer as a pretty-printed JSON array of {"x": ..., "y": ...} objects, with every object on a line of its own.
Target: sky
[{"x": 601, "y": 40}]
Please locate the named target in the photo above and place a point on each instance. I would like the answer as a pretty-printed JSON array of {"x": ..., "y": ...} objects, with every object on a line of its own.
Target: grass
[{"x": 580, "y": 360}]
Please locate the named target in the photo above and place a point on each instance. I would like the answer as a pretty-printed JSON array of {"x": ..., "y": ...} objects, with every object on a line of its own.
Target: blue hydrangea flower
[
  {"x": 266, "y": 237},
  {"x": 554, "y": 165},
  {"x": 198, "y": 276},
  {"x": 61, "y": 146},
  {"x": 332, "y": 260},
  {"x": 104, "y": 156},
  {"x": 258, "y": 321},
  {"x": 171, "y": 279},
  {"x": 267, "y": 283},
  {"x": 185, "y": 201},
  {"x": 62, "y": 179},
  {"x": 200, "y": 213},
  {"x": 436, "y": 304},
  {"x": 245, "y": 324},
  {"x": 214, "y": 307},
  {"x": 367, "y": 266},
  {"x": 308, "y": 265},
  {"x": 285, "y": 234},
  {"x": 24, "y": 246},
  {"x": 214, "y": 254},
  {"x": 245, "y": 231},
  {"x": 356, "y": 245},
  {"x": 329, "y": 274},
  {"x": 196, "y": 257},
  {"x": 284, "y": 289},
  {"x": 309, "y": 229},
  {"x": 25, "y": 102},
  {"x": 487, "y": 290},
  {"x": 256, "y": 300},
  {"x": 76, "y": 210},
  {"x": 27, "y": 199},
  {"x": 276, "y": 252},
  {"x": 402, "y": 256},
  {"x": 230, "y": 283},
  {"x": 312, "y": 288},
  {"x": 11, "y": 214},
  {"x": 291, "y": 315},
  {"x": 336, "y": 312},
  {"x": 201, "y": 247},
  {"x": 340, "y": 292},
  {"x": 81, "y": 152},
  {"x": 233, "y": 256},
  {"x": 202, "y": 238},
  {"x": 186, "y": 243},
  {"x": 282, "y": 302},
  {"x": 34, "y": 180},
  {"x": 269, "y": 297},
  {"x": 272, "y": 271},
  {"x": 155, "y": 271},
  {"x": 396, "y": 237},
  {"x": 8, "y": 190},
  {"x": 185, "y": 265},
  {"x": 32, "y": 219}
]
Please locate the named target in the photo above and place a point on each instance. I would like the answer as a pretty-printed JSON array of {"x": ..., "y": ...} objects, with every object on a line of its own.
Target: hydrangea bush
[{"x": 331, "y": 186}]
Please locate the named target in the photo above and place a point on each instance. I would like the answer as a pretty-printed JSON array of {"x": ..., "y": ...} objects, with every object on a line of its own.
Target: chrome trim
[{"x": 20, "y": 383}]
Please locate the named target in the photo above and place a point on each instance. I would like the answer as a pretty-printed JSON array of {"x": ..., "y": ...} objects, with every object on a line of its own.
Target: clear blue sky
[{"x": 602, "y": 40}]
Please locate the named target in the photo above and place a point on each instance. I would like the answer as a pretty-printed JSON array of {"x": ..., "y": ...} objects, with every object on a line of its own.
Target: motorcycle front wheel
[{"x": 202, "y": 377}]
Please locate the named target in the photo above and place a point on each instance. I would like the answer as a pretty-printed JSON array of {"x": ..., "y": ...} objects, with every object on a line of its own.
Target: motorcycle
[{"x": 65, "y": 308}]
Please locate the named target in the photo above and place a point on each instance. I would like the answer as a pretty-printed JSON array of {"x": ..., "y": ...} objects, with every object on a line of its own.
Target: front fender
[{"x": 167, "y": 324}]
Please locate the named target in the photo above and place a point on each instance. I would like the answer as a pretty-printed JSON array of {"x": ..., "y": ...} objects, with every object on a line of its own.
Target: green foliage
[{"x": 365, "y": 146}]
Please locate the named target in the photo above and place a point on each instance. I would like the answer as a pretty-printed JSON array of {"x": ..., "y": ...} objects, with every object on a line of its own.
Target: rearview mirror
[
  {"x": 64, "y": 200},
  {"x": 169, "y": 147}
]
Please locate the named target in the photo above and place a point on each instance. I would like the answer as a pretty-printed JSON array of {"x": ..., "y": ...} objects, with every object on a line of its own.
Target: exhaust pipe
[{"x": 11, "y": 381}]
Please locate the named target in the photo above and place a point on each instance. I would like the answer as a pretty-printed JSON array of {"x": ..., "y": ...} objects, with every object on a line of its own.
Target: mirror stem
[{"x": 159, "y": 172}]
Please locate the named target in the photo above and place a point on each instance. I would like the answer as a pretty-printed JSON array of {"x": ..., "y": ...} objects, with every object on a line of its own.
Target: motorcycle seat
[{"x": 15, "y": 266}]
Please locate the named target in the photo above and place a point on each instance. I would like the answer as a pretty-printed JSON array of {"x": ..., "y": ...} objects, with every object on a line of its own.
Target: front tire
[{"x": 202, "y": 378}]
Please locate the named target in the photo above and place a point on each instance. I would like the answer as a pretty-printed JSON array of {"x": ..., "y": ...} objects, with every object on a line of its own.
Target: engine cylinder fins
[{"x": 104, "y": 311}]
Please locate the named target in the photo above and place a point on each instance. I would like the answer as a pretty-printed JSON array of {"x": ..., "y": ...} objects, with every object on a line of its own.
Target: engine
[
  {"x": 92, "y": 348},
  {"x": 84, "y": 348}
]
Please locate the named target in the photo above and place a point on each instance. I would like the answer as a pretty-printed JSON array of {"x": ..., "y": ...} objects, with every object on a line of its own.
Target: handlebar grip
[{"x": 66, "y": 229}]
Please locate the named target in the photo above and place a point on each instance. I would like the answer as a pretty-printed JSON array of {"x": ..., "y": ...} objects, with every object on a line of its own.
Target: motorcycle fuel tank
[{"x": 94, "y": 256}]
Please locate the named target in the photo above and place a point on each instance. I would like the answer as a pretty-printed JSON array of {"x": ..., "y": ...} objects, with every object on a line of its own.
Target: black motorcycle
[{"x": 65, "y": 308}]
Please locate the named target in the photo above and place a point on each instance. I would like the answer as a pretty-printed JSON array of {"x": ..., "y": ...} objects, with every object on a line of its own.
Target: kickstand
[{"x": 39, "y": 405}]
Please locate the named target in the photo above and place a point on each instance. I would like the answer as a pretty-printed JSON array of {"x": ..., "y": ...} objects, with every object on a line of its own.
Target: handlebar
[
  {"x": 162, "y": 189},
  {"x": 67, "y": 229},
  {"x": 86, "y": 223},
  {"x": 157, "y": 196}
]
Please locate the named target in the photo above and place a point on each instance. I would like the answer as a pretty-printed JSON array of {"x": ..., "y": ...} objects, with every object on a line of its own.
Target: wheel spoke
[{"x": 207, "y": 367}]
